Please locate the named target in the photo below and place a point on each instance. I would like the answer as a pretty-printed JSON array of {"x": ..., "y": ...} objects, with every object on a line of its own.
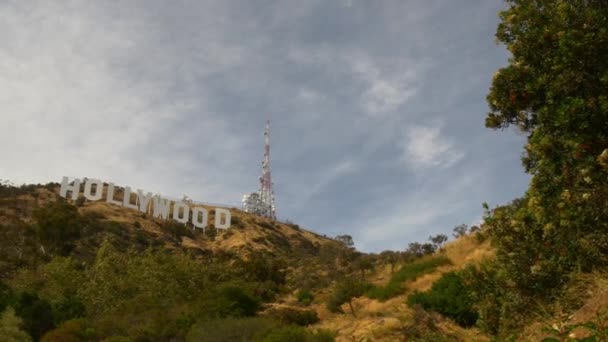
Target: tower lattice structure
[
  {"x": 266, "y": 192},
  {"x": 262, "y": 203}
]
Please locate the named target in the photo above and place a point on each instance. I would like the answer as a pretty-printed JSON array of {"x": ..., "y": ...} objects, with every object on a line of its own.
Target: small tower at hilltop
[{"x": 262, "y": 202}]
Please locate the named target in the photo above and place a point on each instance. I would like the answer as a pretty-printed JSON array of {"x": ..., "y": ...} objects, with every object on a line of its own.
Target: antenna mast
[
  {"x": 262, "y": 202},
  {"x": 266, "y": 192}
]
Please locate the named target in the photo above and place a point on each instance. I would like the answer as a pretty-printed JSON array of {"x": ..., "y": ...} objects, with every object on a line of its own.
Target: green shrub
[
  {"x": 595, "y": 330},
  {"x": 423, "y": 328},
  {"x": 344, "y": 292},
  {"x": 69, "y": 308},
  {"x": 263, "y": 267},
  {"x": 267, "y": 225},
  {"x": 230, "y": 329},
  {"x": 384, "y": 293},
  {"x": 294, "y": 316},
  {"x": 57, "y": 226},
  {"x": 80, "y": 201},
  {"x": 70, "y": 331},
  {"x": 419, "y": 267},
  {"x": 176, "y": 230},
  {"x": 10, "y": 327},
  {"x": 305, "y": 297},
  {"x": 115, "y": 228},
  {"x": 293, "y": 225},
  {"x": 293, "y": 333},
  {"x": 6, "y": 296},
  {"x": 233, "y": 300},
  {"x": 323, "y": 335},
  {"x": 450, "y": 297},
  {"x": 288, "y": 333},
  {"x": 210, "y": 233},
  {"x": 117, "y": 339},
  {"x": 408, "y": 272},
  {"x": 227, "y": 234},
  {"x": 36, "y": 313},
  {"x": 236, "y": 222}
]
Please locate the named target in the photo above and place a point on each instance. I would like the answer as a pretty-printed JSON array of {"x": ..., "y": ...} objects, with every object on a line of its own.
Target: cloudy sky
[{"x": 377, "y": 107}]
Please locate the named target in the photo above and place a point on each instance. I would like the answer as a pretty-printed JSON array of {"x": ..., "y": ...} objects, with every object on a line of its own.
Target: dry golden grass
[
  {"x": 250, "y": 236},
  {"x": 467, "y": 250},
  {"x": 237, "y": 240},
  {"x": 463, "y": 251},
  {"x": 375, "y": 321},
  {"x": 383, "y": 321},
  {"x": 596, "y": 303}
]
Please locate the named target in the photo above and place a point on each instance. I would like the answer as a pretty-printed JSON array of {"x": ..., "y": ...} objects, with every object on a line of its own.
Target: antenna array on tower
[{"x": 262, "y": 202}]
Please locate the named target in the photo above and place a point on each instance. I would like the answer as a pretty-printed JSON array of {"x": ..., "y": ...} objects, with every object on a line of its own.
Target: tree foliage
[
  {"x": 438, "y": 240},
  {"x": 69, "y": 331},
  {"x": 448, "y": 296},
  {"x": 555, "y": 90},
  {"x": 344, "y": 292},
  {"x": 10, "y": 327},
  {"x": 346, "y": 240},
  {"x": 37, "y": 314},
  {"x": 460, "y": 230},
  {"x": 57, "y": 226}
]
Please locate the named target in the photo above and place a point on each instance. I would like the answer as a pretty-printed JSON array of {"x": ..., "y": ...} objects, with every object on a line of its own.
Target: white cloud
[
  {"x": 300, "y": 193},
  {"x": 387, "y": 84},
  {"x": 386, "y": 91},
  {"x": 425, "y": 147},
  {"x": 172, "y": 99},
  {"x": 87, "y": 95},
  {"x": 408, "y": 218},
  {"x": 308, "y": 95}
]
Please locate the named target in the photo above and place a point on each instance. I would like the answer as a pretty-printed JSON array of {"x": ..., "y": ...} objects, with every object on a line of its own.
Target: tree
[
  {"x": 556, "y": 79},
  {"x": 57, "y": 226},
  {"x": 555, "y": 91},
  {"x": 391, "y": 258},
  {"x": 10, "y": 327},
  {"x": 364, "y": 263},
  {"x": 346, "y": 240},
  {"x": 6, "y": 296},
  {"x": 344, "y": 292},
  {"x": 36, "y": 313},
  {"x": 460, "y": 230},
  {"x": 415, "y": 249},
  {"x": 428, "y": 248},
  {"x": 438, "y": 240},
  {"x": 70, "y": 331}
]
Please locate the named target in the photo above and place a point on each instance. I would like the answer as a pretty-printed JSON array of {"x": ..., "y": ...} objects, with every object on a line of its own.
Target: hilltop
[{"x": 249, "y": 233}]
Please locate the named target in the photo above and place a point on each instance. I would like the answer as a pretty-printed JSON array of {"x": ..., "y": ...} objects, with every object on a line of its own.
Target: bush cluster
[
  {"x": 408, "y": 272},
  {"x": 294, "y": 316},
  {"x": 450, "y": 297},
  {"x": 304, "y": 297}
]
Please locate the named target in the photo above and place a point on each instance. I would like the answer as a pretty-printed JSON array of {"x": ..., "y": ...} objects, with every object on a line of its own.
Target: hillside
[
  {"x": 378, "y": 320},
  {"x": 249, "y": 233},
  {"x": 535, "y": 269},
  {"x": 96, "y": 271}
]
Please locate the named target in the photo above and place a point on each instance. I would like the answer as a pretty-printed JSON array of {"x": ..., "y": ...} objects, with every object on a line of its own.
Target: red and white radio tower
[
  {"x": 266, "y": 192},
  {"x": 262, "y": 202}
]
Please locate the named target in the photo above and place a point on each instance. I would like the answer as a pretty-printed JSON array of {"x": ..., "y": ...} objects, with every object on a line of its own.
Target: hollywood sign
[{"x": 146, "y": 203}]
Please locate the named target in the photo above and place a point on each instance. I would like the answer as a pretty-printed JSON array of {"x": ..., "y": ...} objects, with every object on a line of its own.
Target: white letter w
[{"x": 161, "y": 207}]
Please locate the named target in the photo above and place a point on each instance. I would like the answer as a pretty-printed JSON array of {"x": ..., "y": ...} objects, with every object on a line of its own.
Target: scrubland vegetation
[{"x": 534, "y": 269}]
